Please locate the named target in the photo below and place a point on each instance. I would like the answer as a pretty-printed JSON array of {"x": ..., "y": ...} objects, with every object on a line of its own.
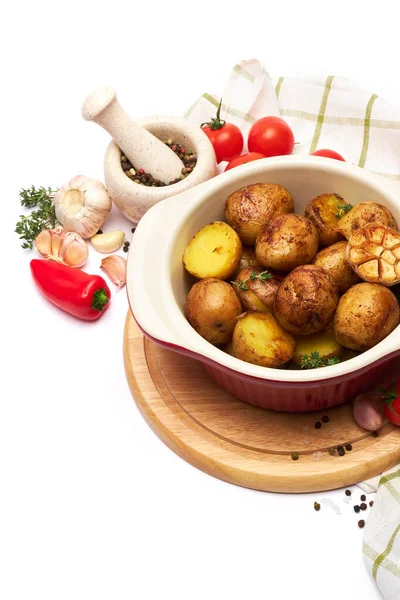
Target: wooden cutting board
[{"x": 242, "y": 444}]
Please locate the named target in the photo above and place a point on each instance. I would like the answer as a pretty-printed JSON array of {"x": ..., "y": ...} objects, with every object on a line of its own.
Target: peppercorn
[
  {"x": 363, "y": 506},
  {"x": 363, "y": 498},
  {"x": 371, "y": 503},
  {"x": 348, "y": 492},
  {"x": 349, "y": 447},
  {"x": 125, "y": 248},
  {"x": 318, "y": 425},
  {"x": 341, "y": 451},
  {"x": 133, "y": 229},
  {"x": 332, "y": 451},
  {"x": 356, "y": 508},
  {"x": 325, "y": 419},
  {"x": 99, "y": 231},
  {"x": 375, "y": 434},
  {"x": 317, "y": 506},
  {"x": 361, "y": 523},
  {"x": 126, "y": 244},
  {"x": 295, "y": 456}
]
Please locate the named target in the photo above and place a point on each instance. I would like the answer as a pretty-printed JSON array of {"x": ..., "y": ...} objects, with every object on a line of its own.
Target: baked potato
[
  {"x": 364, "y": 213},
  {"x": 214, "y": 251},
  {"x": 248, "y": 258},
  {"x": 247, "y": 209},
  {"x": 259, "y": 339},
  {"x": 325, "y": 211},
  {"x": 324, "y": 343},
  {"x": 286, "y": 242},
  {"x": 256, "y": 289},
  {"x": 365, "y": 315},
  {"x": 211, "y": 308},
  {"x": 333, "y": 260},
  {"x": 306, "y": 300}
]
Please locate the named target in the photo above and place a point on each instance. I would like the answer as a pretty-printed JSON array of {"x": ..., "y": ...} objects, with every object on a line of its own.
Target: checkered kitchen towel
[{"x": 329, "y": 112}]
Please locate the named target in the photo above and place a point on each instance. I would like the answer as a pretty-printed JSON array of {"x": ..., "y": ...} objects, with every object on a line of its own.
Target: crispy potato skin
[
  {"x": 259, "y": 339},
  {"x": 248, "y": 259},
  {"x": 286, "y": 242},
  {"x": 261, "y": 294},
  {"x": 365, "y": 315},
  {"x": 214, "y": 251},
  {"x": 306, "y": 300},
  {"x": 333, "y": 260},
  {"x": 324, "y": 343},
  {"x": 322, "y": 212},
  {"x": 211, "y": 308},
  {"x": 364, "y": 213},
  {"x": 247, "y": 209}
]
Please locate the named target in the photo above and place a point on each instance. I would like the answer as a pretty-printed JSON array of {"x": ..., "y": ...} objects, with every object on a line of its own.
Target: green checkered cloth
[{"x": 329, "y": 112}]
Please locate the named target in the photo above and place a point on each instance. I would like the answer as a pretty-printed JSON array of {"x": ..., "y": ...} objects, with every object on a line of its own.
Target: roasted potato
[
  {"x": 247, "y": 209},
  {"x": 214, "y": 251},
  {"x": 374, "y": 253},
  {"x": 211, "y": 308},
  {"x": 364, "y": 213},
  {"x": 255, "y": 293},
  {"x": 365, "y": 315},
  {"x": 306, "y": 300},
  {"x": 333, "y": 260},
  {"x": 259, "y": 339},
  {"x": 324, "y": 211},
  {"x": 248, "y": 258},
  {"x": 324, "y": 343},
  {"x": 286, "y": 242}
]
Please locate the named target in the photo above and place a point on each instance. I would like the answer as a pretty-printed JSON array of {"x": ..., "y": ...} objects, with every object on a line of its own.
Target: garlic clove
[
  {"x": 108, "y": 242},
  {"x": 82, "y": 205},
  {"x": 74, "y": 250},
  {"x": 115, "y": 267},
  {"x": 57, "y": 237},
  {"x": 43, "y": 243}
]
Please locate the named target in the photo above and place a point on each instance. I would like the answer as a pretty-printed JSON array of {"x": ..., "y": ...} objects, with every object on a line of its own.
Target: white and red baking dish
[{"x": 157, "y": 283}]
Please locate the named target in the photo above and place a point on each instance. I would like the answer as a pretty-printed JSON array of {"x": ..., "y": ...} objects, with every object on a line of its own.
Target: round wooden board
[{"x": 242, "y": 444}]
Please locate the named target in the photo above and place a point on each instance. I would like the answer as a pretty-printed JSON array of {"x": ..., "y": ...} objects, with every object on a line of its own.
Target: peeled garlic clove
[
  {"x": 108, "y": 242},
  {"x": 115, "y": 268},
  {"x": 82, "y": 205},
  {"x": 74, "y": 250},
  {"x": 57, "y": 237},
  {"x": 367, "y": 411}
]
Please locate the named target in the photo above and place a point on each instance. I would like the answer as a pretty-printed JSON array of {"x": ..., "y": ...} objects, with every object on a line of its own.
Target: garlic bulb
[
  {"x": 82, "y": 205},
  {"x": 62, "y": 246},
  {"x": 108, "y": 242},
  {"x": 115, "y": 267}
]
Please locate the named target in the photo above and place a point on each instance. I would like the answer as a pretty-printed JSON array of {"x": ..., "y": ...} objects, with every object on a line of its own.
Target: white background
[{"x": 92, "y": 504}]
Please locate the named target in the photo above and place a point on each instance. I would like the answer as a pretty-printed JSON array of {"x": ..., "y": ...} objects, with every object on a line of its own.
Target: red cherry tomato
[
  {"x": 226, "y": 138},
  {"x": 242, "y": 160},
  {"x": 271, "y": 136},
  {"x": 391, "y": 403},
  {"x": 328, "y": 154}
]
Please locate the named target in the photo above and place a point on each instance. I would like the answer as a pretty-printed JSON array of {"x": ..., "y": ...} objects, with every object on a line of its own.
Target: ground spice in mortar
[{"x": 188, "y": 158}]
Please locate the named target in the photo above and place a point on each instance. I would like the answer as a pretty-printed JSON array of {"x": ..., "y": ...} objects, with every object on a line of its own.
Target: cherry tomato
[
  {"x": 328, "y": 154},
  {"x": 271, "y": 136},
  {"x": 242, "y": 160},
  {"x": 226, "y": 138},
  {"x": 391, "y": 403}
]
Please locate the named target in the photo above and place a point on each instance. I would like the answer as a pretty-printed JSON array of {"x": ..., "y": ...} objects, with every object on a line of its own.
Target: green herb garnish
[
  {"x": 29, "y": 226},
  {"x": 315, "y": 361},
  {"x": 343, "y": 209},
  {"x": 263, "y": 276}
]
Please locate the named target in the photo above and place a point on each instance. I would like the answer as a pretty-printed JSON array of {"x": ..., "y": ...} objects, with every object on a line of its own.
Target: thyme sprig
[
  {"x": 343, "y": 209},
  {"x": 315, "y": 360},
  {"x": 263, "y": 276},
  {"x": 29, "y": 226}
]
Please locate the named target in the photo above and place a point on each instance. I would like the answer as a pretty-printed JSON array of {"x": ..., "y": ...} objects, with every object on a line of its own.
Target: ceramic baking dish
[{"x": 157, "y": 283}]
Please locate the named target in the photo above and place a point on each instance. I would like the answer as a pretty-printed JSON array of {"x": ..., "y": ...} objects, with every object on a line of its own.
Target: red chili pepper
[{"x": 82, "y": 295}]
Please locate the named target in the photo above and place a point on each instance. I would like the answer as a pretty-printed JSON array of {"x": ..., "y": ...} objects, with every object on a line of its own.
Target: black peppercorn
[
  {"x": 349, "y": 447},
  {"x": 348, "y": 492},
  {"x": 357, "y": 508},
  {"x": 375, "y": 434},
  {"x": 325, "y": 419},
  {"x": 125, "y": 248},
  {"x": 371, "y": 503},
  {"x": 133, "y": 229},
  {"x": 317, "y": 506},
  {"x": 295, "y": 456},
  {"x": 363, "y": 506},
  {"x": 363, "y": 498},
  {"x": 318, "y": 425},
  {"x": 361, "y": 523},
  {"x": 99, "y": 231},
  {"x": 341, "y": 451}
]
